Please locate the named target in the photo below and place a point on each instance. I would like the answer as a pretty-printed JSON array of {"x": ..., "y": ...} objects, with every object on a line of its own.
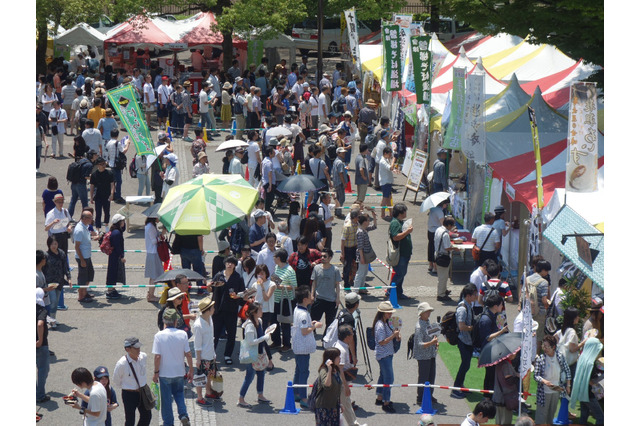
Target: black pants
[
  {"x": 102, "y": 205},
  {"x": 329, "y": 235},
  {"x": 227, "y": 321},
  {"x": 430, "y": 248},
  {"x": 426, "y": 373},
  {"x": 349, "y": 263},
  {"x": 466, "y": 352},
  {"x": 269, "y": 196},
  {"x": 484, "y": 255},
  {"x": 489, "y": 377},
  {"x": 323, "y": 307},
  {"x": 132, "y": 401}
]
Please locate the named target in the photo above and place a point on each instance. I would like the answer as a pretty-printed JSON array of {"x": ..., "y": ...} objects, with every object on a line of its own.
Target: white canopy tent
[{"x": 81, "y": 34}]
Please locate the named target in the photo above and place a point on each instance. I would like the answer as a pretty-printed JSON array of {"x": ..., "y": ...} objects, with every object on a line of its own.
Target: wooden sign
[{"x": 415, "y": 174}]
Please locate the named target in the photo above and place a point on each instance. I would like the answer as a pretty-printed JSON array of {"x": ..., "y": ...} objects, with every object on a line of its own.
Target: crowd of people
[{"x": 281, "y": 281}]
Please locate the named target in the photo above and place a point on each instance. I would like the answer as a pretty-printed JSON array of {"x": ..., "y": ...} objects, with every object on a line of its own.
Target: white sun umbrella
[
  {"x": 232, "y": 144},
  {"x": 158, "y": 150},
  {"x": 275, "y": 132},
  {"x": 433, "y": 200}
]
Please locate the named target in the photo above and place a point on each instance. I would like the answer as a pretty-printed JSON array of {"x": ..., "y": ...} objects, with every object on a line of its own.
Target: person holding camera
[{"x": 330, "y": 380}]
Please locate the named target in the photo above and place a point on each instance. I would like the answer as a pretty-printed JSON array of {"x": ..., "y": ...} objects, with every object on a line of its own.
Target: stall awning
[{"x": 568, "y": 222}]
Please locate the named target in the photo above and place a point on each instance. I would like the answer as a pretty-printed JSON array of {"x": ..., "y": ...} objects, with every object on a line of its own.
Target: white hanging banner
[
  {"x": 352, "y": 33},
  {"x": 582, "y": 140},
  {"x": 474, "y": 136}
]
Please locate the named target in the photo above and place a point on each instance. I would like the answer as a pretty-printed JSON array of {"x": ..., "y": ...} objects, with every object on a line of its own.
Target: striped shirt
[
  {"x": 383, "y": 331},
  {"x": 288, "y": 277},
  {"x": 362, "y": 238}
]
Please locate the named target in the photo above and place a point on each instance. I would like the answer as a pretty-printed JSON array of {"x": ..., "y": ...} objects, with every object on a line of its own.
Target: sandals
[
  {"x": 243, "y": 404},
  {"x": 264, "y": 401},
  {"x": 228, "y": 360},
  {"x": 153, "y": 299}
]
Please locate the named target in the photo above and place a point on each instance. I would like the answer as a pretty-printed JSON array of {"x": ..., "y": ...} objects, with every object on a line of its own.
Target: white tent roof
[
  {"x": 587, "y": 204},
  {"x": 81, "y": 34},
  {"x": 493, "y": 44}
]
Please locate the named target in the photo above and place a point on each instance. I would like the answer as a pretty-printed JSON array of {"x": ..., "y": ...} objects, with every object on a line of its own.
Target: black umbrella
[
  {"x": 500, "y": 348},
  {"x": 171, "y": 275},
  {"x": 152, "y": 211},
  {"x": 300, "y": 183}
]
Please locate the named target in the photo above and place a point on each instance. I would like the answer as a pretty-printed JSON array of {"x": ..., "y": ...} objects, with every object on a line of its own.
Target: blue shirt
[
  {"x": 486, "y": 327},
  {"x": 256, "y": 233},
  {"x": 80, "y": 81},
  {"x": 82, "y": 235},
  {"x": 107, "y": 124}
]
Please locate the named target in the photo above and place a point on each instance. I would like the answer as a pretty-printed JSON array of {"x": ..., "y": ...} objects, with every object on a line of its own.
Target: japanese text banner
[
  {"x": 392, "y": 57},
  {"x": 582, "y": 140},
  {"x": 474, "y": 135},
  {"x": 123, "y": 100},
  {"x": 453, "y": 135},
  {"x": 352, "y": 32},
  {"x": 421, "y": 56}
]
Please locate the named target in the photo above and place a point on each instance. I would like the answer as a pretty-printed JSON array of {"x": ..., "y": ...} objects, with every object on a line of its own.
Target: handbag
[
  {"x": 148, "y": 397},
  {"x": 442, "y": 259},
  {"x": 248, "y": 353},
  {"x": 550, "y": 322},
  {"x": 216, "y": 381},
  {"x": 281, "y": 317},
  {"x": 262, "y": 362},
  {"x": 369, "y": 257},
  {"x": 475, "y": 251},
  {"x": 393, "y": 253},
  {"x": 163, "y": 250}
]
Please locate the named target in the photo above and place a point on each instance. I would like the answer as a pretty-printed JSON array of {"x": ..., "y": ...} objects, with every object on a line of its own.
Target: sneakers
[
  {"x": 63, "y": 308},
  {"x": 43, "y": 399},
  {"x": 388, "y": 408},
  {"x": 457, "y": 394},
  {"x": 187, "y": 139},
  {"x": 185, "y": 421},
  {"x": 113, "y": 295},
  {"x": 444, "y": 299},
  {"x": 228, "y": 360},
  {"x": 214, "y": 397},
  {"x": 285, "y": 349},
  {"x": 204, "y": 403}
]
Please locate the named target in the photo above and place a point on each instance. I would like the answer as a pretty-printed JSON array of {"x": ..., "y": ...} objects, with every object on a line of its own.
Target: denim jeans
[
  {"x": 117, "y": 178},
  {"x": 42, "y": 363},
  {"x": 54, "y": 296},
  {"x": 401, "y": 270},
  {"x": 301, "y": 374},
  {"x": 143, "y": 183},
  {"x": 386, "y": 377},
  {"x": 172, "y": 388},
  {"x": 38, "y": 154},
  {"x": 78, "y": 190},
  {"x": 192, "y": 259},
  {"x": 248, "y": 378},
  {"x": 466, "y": 351},
  {"x": 205, "y": 120}
]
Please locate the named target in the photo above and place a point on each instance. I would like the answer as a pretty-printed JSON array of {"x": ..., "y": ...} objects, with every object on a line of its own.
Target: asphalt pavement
[{"x": 90, "y": 335}]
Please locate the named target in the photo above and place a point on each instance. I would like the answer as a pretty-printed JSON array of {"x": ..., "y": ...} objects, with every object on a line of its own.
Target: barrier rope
[{"x": 413, "y": 385}]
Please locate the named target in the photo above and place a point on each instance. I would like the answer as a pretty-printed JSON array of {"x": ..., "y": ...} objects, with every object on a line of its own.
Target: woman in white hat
[
  {"x": 384, "y": 336},
  {"x": 425, "y": 349},
  {"x": 115, "y": 267}
]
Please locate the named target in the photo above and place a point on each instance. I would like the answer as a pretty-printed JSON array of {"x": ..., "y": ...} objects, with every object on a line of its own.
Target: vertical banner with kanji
[
  {"x": 582, "y": 165},
  {"x": 473, "y": 133},
  {"x": 123, "y": 100},
  {"x": 392, "y": 57},
  {"x": 254, "y": 51},
  {"x": 538, "y": 157},
  {"x": 352, "y": 31},
  {"x": 421, "y": 56},
  {"x": 453, "y": 135}
]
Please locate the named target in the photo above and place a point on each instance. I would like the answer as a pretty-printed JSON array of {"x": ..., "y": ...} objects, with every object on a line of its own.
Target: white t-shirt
[
  {"x": 93, "y": 138},
  {"x": 269, "y": 304},
  {"x": 151, "y": 238},
  {"x": 203, "y": 338},
  {"x": 252, "y": 150},
  {"x": 204, "y": 98},
  {"x": 380, "y": 150},
  {"x": 345, "y": 358},
  {"x": 148, "y": 92},
  {"x": 265, "y": 257},
  {"x": 569, "y": 336},
  {"x": 480, "y": 234},
  {"x": 435, "y": 215},
  {"x": 551, "y": 372},
  {"x": 294, "y": 227},
  {"x": 97, "y": 402},
  {"x": 314, "y": 106},
  {"x": 302, "y": 344},
  {"x": 322, "y": 102},
  {"x": 441, "y": 240},
  {"x": 163, "y": 94},
  {"x": 171, "y": 344},
  {"x": 477, "y": 278}
]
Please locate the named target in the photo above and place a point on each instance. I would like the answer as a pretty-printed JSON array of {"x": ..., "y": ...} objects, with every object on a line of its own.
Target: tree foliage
[{"x": 576, "y": 27}]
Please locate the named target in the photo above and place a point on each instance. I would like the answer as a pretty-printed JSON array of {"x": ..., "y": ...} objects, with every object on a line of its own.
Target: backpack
[
  {"x": 83, "y": 118},
  {"x": 449, "y": 327},
  {"x": 475, "y": 333},
  {"x": 331, "y": 336},
  {"x": 132, "y": 168},
  {"x": 74, "y": 172},
  {"x": 271, "y": 107},
  {"x": 533, "y": 295},
  {"x": 491, "y": 290},
  {"x": 551, "y": 323},
  {"x": 334, "y": 106},
  {"x": 371, "y": 338},
  {"x": 332, "y": 151},
  {"x": 105, "y": 243},
  {"x": 237, "y": 106},
  {"x": 121, "y": 161},
  {"x": 237, "y": 238},
  {"x": 410, "y": 343}
]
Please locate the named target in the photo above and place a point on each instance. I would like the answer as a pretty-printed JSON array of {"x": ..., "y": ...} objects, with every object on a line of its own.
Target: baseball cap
[
  {"x": 352, "y": 298},
  {"x": 100, "y": 372},
  {"x": 258, "y": 213}
]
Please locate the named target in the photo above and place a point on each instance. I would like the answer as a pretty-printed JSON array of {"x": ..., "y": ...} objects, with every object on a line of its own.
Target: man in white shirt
[
  {"x": 203, "y": 104},
  {"x": 323, "y": 105},
  {"x": 96, "y": 411},
  {"x": 112, "y": 148},
  {"x": 137, "y": 81},
  {"x": 170, "y": 347},
  {"x": 326, "y": 212},
  {"x": 482, "y": 413},
  {"x": 265, "y": 257},
  {"x": 479, "y": 277},
  {"x": 325, "y": 82},
  {"x": 129, "y": 374},
  {"x": 92, "y": 137},
  {"x": 303, "y": 340},
  {"x": 254, "y": 161},
  {"x": 149, "y": 100},
  {"x": 487, "y": 239},
  {"x": 58, "y": 119},
  {"x": 164, "y": 91}
]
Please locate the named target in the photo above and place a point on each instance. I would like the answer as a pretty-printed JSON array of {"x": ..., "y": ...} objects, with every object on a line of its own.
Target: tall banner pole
[{"x": 536, "y": 151}]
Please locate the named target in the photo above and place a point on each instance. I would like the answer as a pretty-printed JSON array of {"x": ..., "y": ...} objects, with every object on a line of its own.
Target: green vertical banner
[
  {"x": 392, "y": 57},
  {"x": 123, "y": 100},
  {"x": 486, "y": 195},
  {"x": 254, "y": 52},
  {"x": 421, "y": 56},
  {"x": 453, "y": 135}
]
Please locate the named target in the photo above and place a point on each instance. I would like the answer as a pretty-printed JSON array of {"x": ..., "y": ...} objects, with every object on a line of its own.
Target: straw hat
[
  {"x": 323, "y": 129},
  {"x": 227, "y": 86},
  {"x": 371, "y": 103},
  {"x": 205, "y": 304},
  {"x": 386, "y": 307},
  {"x": 174, "y": 293},
  {"x": 187, "y": 83}
]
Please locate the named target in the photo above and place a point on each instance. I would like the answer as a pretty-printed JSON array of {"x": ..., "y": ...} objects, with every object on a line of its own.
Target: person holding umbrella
[
  {"x": 488, "y": 330},
  {"x": 170, "y": 176},
  {"x": 505, "y": 393}
]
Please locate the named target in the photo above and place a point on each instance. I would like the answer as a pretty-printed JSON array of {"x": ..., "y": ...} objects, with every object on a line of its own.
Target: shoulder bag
[
  {"x": 475, "y": 252},
  {"x": 393, "y": 252},
  {"x": 442, "y": 259},
  {"x": 281, "y": 317},
  {"x": 148, "y": 398}
]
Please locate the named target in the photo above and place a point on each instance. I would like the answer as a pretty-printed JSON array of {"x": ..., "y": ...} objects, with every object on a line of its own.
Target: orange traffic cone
[
  {"x": 246, "y": 174},
  {"x": 348, "y": 189}
]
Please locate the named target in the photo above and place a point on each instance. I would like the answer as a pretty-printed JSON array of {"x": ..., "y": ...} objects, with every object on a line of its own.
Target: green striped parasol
[{"x": 207, "y": 203}]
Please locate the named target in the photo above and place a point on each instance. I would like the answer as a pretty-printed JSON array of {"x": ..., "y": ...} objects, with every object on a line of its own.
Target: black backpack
[
  {"x": 245, "y": 157},
  {"x": 237, "y": 239},
  {"x": 371, "y": 338},
  {"x": 475, "y": 333},
  {"x": 410, "y": 343},
  {"x": 491, "y": 290},
  {"x": 311, "y": 401},
  {"x": 121, "y": 161},
  {"x": 449, "y": 327},
  {"x": 237, "y": 106},
  {"x": 74, "y": 171}
]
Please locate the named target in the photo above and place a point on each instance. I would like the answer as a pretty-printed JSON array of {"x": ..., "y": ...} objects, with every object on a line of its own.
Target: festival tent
[
  {"x": 510, "y": 150},
  {"x": 138, "y": 32},
  {"x": 508, "y": 100},
  {"x": 196, "y": 31},
  {"x": 371, "y": 59},
  {"x": 81, "y": 34},
  {"x": 479, "y": 45},
  {"x": 529, "y": 62}
]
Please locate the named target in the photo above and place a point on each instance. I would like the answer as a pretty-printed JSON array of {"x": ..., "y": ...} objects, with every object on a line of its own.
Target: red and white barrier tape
[{"x": 385, "y": 265}]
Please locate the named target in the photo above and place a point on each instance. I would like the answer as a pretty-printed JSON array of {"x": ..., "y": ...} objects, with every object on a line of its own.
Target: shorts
[
  {"x": 386, "y": 190},
  {"x": 206, "y": 366},
  {"x": 85, "y": 275},
  {"x": 163, "y": 112},
  {"x": 150, "y": 107}
]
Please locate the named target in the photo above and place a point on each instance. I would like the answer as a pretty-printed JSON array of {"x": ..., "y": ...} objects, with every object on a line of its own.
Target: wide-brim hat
[
  {"x": 386, "y": 307},
  {"x": 324, "y": 129},
  {"x": 174, "y": 293},
  {"x": 186, "y": 84},
  {"x": 205, "y": 304},
  {"x": 371, "y": 103},
  {"x": 424, "y": 307},
  {"x": 227, "y": 86}
]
